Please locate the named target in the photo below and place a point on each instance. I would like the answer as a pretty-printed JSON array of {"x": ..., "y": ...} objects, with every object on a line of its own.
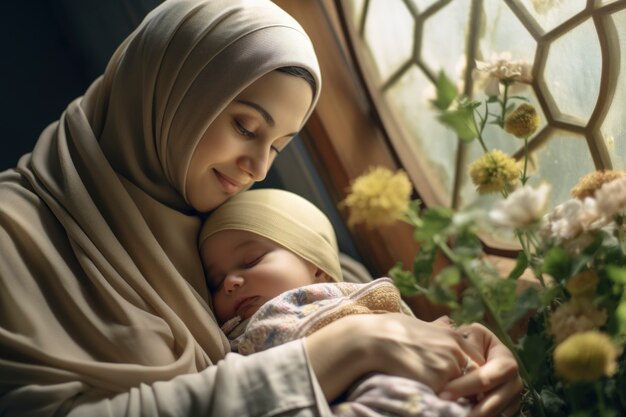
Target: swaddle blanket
[{"x": 299, "y": 312}]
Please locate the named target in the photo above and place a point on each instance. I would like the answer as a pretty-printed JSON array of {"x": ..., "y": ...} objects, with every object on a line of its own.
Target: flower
[
  {"x": 575, "y": 316},
  {"x": 522, "y": 122},
  {"x": 571, "y": 219},
  {"x": 494, "y": 172},
  {"x": 499, "y": 69},
  {"x": 583, "y": 283},
  {"x": 590, "y": 183},
  {"x": 586, "y": 357},
  {"x": 524, "y": 207},
  {"x": 611, "y": 198},
  {"x": 378, "y": 197}
]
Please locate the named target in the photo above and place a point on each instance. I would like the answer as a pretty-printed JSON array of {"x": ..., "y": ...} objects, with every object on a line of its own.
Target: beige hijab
[
  {"x": 100, "y": 278},
  {"x": 285, "y": 218}
]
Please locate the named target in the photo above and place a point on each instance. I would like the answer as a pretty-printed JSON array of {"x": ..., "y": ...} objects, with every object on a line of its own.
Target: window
[{"x": 576, "y": 48}]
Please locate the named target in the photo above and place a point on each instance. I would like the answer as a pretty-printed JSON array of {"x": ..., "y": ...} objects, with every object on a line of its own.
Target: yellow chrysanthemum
[
  {"x": 582, "y": 284},
  {"x": 586, "y": 357},
  {"x": 523, "y": 121},
  {"x": 494, "y": 171},
  {"x": 378, "y": 197},
  {"x": 590, "y": 183},
  {"x": 577, "y": 315}
]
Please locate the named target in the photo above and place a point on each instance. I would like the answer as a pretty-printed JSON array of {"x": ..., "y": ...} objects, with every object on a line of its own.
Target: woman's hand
[
  {"x": 494, "y": 382},
  {"x": 393, "y": 344},
  {"x": 458, "y": 363}
]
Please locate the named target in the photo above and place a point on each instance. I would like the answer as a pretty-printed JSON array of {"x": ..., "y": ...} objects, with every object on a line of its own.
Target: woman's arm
[
  {"x": 275, "y": 382},
  {"x": 399, "y": 345}
]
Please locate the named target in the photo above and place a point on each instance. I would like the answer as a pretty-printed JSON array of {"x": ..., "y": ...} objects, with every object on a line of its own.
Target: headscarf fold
[
  {"x": 100, "y": 278},
  {"x": 284, "y": 218}
]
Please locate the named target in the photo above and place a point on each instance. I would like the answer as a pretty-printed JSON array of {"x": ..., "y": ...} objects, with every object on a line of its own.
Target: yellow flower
[
  {"x": 590, "y": 183},
  {"x": 494, "y": 171},
  {"x": 378, "y": 197},
  {"x": 582, "y": 283},
  {"x": 523, "y": 121},
  {"x": 586, "y": 357},
  {"x": 575, "y": 316}
]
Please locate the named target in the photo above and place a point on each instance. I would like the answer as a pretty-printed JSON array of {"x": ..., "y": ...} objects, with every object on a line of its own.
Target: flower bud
[
  {"x": 586, "y": 357},
  {"x": 523, "y": 121}
]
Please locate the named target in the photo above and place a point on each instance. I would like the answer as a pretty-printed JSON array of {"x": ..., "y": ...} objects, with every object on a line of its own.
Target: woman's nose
[
  {"x": 257, "y": 162},
  {"x": 233, "y": 282}
]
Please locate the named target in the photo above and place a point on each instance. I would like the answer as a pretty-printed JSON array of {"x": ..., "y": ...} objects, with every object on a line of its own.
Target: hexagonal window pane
[
  {"x": 561, "y": 162},
  {"x": 443, "y": 43},
  {"x": 433, "y": 145},
  {"x": 423, "y": 4},
  {"x": 613, "y": 127},
  {"x": 389, "y": 33},
  {"x": 503, "y": 32},
  {"x": 572, "y": 72},
  {"x": 551, "y": 13}
]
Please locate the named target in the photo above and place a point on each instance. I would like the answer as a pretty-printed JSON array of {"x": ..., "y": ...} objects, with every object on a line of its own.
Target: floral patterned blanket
[{"x": 302, "y": 311}]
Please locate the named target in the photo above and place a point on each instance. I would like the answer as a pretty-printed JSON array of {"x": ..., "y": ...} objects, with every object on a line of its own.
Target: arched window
[{"x": 578, "y": 56}]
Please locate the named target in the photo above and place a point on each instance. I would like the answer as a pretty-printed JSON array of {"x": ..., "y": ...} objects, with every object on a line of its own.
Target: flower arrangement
[{"x": 571, "y": 356}]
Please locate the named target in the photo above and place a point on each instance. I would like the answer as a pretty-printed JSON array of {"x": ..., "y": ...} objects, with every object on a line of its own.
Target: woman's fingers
[{"x": 494, "y": 386}]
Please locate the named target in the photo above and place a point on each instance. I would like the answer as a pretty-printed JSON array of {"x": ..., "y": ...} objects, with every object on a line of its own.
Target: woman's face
[{"x": 240, "y": 145}]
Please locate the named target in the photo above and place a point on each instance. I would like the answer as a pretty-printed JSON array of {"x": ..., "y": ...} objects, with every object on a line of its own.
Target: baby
[{"x": 272, "y": 265}]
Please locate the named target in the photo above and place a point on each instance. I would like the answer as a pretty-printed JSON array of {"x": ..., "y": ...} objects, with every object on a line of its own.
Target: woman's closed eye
[{"x": 241, "y": 129}]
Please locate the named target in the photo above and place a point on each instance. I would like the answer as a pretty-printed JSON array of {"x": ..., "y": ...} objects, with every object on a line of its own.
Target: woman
[{"x": 105, "y": 309}]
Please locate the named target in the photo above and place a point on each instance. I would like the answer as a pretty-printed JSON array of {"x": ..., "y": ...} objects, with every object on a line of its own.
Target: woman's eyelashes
[{"x": 241, "y": 129}]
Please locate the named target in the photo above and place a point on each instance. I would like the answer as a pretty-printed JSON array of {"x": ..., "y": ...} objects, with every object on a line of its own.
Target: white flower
[
  {"x": 501, "y": 68},
  {"x": 572, "y": 218},
  {"x": 522, "y": 208},
  {"x": 611, "y": 198}
]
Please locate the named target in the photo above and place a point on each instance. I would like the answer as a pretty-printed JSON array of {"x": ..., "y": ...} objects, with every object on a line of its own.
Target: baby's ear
[{"x": 321, "y": 276}]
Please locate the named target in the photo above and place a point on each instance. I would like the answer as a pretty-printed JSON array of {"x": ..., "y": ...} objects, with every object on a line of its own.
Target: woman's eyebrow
[{"x": 264, "y": 113}]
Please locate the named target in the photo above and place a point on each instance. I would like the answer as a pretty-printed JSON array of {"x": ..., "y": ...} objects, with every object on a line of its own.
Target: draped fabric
[{"x": 101, "y": 284}]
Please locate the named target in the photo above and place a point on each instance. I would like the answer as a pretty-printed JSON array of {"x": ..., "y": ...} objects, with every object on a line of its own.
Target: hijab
[
  {"x": 284, "y": 218},
  {"x": 100, "y": 277}
]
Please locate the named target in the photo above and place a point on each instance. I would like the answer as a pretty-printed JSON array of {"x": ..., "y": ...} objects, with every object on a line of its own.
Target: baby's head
[{"x": 261, "y": 243}]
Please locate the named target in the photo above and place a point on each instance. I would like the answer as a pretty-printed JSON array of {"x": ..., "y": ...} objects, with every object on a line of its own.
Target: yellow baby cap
[{"x": 283, "y": 217}]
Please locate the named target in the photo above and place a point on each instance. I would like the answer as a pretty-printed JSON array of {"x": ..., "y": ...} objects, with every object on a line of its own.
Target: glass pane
[
  {"x": 614, "y": 128},
  {"x": 423, "y": 4},
  {"x": 572, "y": 71},
  {"x": 443, "y": 48},
  {"x": 551, "y": 13},
  {"x": 562, "y": 162},
  {"x": 434, "y": 144},
  {"x": 504, "y": 33},
  {"x": 389, "y": 33}
]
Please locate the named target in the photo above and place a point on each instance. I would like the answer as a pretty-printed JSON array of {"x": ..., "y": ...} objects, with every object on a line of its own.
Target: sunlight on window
[{"x": 579, "y": 85}]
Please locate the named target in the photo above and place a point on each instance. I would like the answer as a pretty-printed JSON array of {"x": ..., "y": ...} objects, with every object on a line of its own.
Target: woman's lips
[{"x": 229, "y": 185}]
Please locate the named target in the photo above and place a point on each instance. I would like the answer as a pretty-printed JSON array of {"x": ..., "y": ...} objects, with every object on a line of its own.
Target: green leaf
[
  {"x": 461, "y": 121},
  {"x": 526, "y": 302},
  {"x": 557, "y": 263},
  {"x": 446, "y": 92},
  {"x": 404, "y": 280},
  {"x": 617, "y": 274},
  {"x": 435, "y": 220},
  {"x": 520, "y": 266},
  {"x": 448, "y": 276},
  {"x": 620, "y": 314},
  {"x": 534, "y": 355},
  {"x": 423, "y": 266}
]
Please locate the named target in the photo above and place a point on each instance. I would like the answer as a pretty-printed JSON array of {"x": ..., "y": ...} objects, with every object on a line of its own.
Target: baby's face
[{"x": 244, "y": 270}]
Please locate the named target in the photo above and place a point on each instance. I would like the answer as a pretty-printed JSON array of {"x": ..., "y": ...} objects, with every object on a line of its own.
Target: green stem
[
  {"x": 600, "y": 396},
  {"x": 496, "y": 327},
  {"x": 505, "y": 98},
  {"x": 524, "y": 177}
]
